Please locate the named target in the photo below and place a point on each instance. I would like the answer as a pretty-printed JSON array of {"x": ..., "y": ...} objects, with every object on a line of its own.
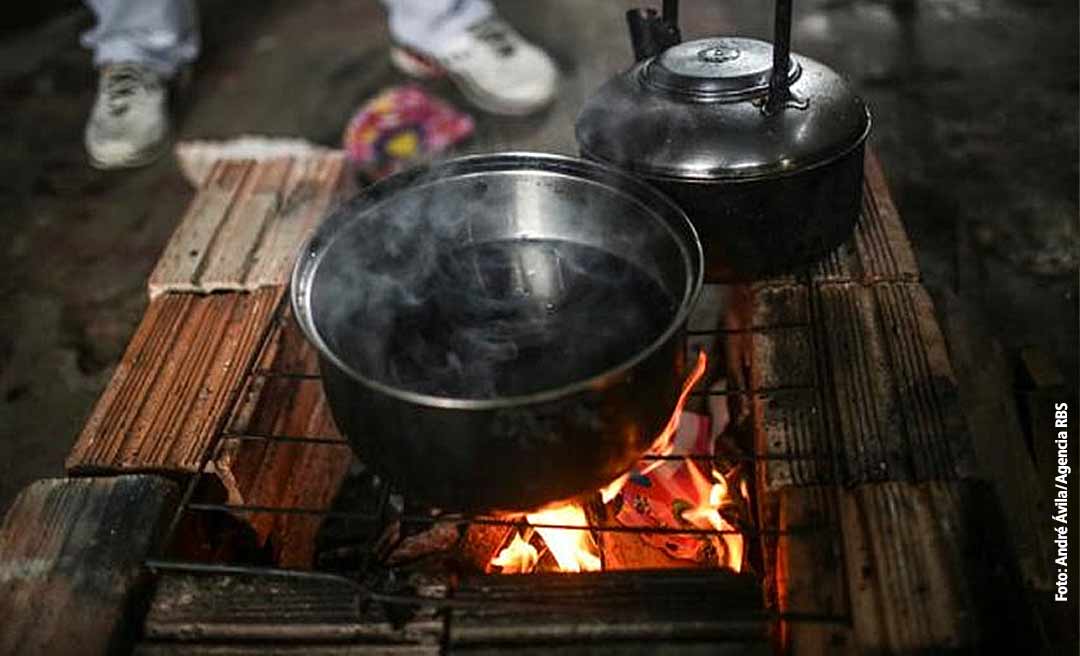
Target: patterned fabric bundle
[{"x": 401, "y": 127}]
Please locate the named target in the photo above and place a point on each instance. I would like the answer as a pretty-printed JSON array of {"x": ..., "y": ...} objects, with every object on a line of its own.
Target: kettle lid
[
  {"x": 699, "y": 111},
  {"x": 721, "y": 67}
]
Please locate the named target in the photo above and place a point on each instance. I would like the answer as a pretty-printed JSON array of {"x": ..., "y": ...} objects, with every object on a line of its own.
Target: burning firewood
[{"x": 441, "y": 537}]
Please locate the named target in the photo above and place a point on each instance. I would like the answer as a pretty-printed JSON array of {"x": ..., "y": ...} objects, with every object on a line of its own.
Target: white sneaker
[
  {"x": 129, "y": 125},
  {"x": 497, "y": 70}
]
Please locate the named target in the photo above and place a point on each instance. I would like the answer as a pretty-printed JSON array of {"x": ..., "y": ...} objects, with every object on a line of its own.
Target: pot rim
[{"x": 641, "y": 192}]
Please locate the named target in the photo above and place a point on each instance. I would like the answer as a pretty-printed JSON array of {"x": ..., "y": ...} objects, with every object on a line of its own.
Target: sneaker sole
[
  {"x": 139, "y": 159},
  {"x": 425, "y": 68}
]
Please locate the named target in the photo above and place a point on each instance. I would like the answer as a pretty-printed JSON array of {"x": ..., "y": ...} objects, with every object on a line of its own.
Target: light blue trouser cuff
[
  {"x": 160, "y": 34},
  {"x": 164, "y": 34}
]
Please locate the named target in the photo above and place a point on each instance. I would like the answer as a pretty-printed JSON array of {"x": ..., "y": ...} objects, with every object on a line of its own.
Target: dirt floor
[{"x": 975, "y": 117}]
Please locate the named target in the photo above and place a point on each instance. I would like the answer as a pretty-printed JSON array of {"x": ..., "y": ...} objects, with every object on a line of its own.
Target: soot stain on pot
[{"x": 440, "y": 293}]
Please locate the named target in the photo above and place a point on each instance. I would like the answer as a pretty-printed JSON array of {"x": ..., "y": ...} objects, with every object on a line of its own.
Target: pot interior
[{"x": 499, "y": 283}]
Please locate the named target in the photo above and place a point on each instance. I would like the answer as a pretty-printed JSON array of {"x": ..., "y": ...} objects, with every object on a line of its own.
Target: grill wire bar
[{"x": 162, "y": 563}]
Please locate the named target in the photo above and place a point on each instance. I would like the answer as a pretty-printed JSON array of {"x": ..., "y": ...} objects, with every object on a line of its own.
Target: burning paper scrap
[{"x": 679, "y": 493}]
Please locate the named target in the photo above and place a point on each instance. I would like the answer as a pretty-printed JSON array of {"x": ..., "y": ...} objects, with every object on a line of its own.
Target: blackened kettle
[{"x": 763, "y": 149}]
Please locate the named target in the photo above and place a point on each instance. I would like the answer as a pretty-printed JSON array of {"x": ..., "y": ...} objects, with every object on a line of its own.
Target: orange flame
[
  {"x": 708, "y": 513},
  {"x": 574, "y": 549},
  {"x": 664, "y": 445},
  {"x": 519, "y": 557}
]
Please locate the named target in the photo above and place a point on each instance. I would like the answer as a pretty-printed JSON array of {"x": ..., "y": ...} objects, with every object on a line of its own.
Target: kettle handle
[
  {"x": 651, "y": 33},
  {"x": 671, "y": 13},
  {"x": 779, "y": 82}
]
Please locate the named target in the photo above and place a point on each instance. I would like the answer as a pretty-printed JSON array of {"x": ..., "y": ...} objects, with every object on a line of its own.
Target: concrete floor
[{"x": 975, "y": 105}]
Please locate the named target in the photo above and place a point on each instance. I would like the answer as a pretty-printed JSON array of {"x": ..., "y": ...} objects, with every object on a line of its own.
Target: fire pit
[
  {"x": 680, "y": 522},
  {"x": 779, "y": 487},
  {"x": 678, "y": 509},
  {"x": 816, "y": 494}
]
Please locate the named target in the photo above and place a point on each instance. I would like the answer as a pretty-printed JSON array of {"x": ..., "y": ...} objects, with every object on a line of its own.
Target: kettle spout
[{"x": 651, "y": 33}]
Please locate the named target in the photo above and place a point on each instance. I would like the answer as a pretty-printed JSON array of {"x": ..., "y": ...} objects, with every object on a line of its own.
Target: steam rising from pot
[{"x": 473, "y": 290}]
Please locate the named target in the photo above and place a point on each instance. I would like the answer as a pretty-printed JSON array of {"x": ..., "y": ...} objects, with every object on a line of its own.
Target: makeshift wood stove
[{"x": 812, "y": 493}]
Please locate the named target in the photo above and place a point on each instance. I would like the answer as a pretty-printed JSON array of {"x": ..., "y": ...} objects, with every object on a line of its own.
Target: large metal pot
[
  {"x": 501, "y": 331},
  {"x": 762, "y": 149}
]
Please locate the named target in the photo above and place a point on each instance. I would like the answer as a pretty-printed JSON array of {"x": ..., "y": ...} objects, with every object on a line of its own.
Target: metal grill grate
[{"x": 384, "y": 505}]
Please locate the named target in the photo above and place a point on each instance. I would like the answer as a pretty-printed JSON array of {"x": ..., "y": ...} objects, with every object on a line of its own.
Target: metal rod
[
  {"x": 270, "y": 373},
  {"x": 292, "y": 439},
  {"x": 671, "y": 12},
  {"x": 761, "y": 330},
  {"x": 494, "y": 521},
  {"x": 758, "y": 390},
  {"x": 779, "y": 90},
  {"x": 701, "y": 457}
]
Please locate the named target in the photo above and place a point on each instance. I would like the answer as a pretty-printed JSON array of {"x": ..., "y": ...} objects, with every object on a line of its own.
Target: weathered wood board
[
  {"x": 71, "y": 553},
  {"x": 322, "y": 609},
  {"x": 617, "y": 608},
  {"x": 174, "y": 388},
  {"x": 810, "y": 577},
  {"x": 862, "y": 392},
  {"x": 246, "y": 223},
  {"x": 644, "y": 612},
  {"x": 929, "y": 568}
]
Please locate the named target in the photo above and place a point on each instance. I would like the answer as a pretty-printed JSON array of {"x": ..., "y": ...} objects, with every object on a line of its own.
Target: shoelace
[
  {"x": 121, "y": 82},
  {"x": 495, "y": 34}
]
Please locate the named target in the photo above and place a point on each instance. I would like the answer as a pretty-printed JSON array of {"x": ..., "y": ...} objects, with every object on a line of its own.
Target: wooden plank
[
  {"x": 870, "y": 436},
  {"x": 615, "y": 609},
  {"x": 885, "y": 231},
  {"x": 989, "y": 404},
  {"x": 281, "y": 649},
  {"x": 782, "y": 359},
  {"x": 189, "y": 608},
  {"x": 174, "y": 387},
  {"x": 147, "y": 352},
  {"x": 1043, "y": 386},
  {"x": 810, "y": 575},
  {"x": 775, "y": 307},
  {"x": 246, "y": 224},
  {"x": 889, "y": 380},
  {"x": 226, "y": 263},
  {"x": 930, "y": 569},
  {"x": 184, "y": 254},
  {"x": 319, "y": 182},
  {"x": 870, "y": 382},
  {"x": 790, "y": 431},
  {"x": 71, "y": 552},
  {"x": 926, "y": 393},
  {"x": 787, "y": 417},
  {"x": 259, "y": 471}
]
